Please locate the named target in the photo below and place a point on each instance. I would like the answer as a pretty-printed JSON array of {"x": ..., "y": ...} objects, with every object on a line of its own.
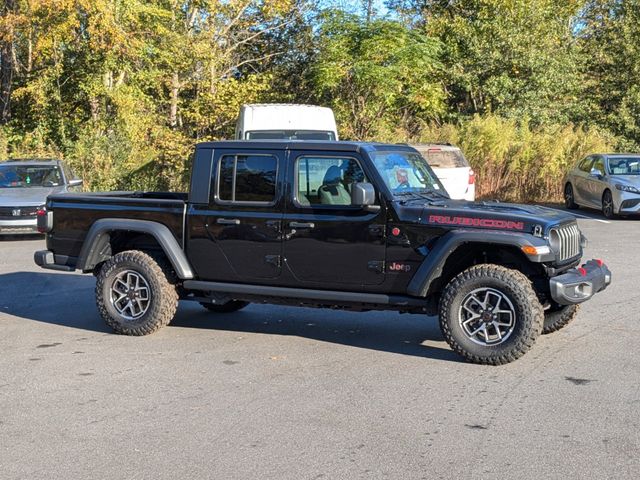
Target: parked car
[
  {"x": 355, "y": 226},
  {"x": 285, "y": 122},
  {"x": 24, "y": 187},
  {"x": 609, "y": 182},
  {"x": 451, "y": 168}
]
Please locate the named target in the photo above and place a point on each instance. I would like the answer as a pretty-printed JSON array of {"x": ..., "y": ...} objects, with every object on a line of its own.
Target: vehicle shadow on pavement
[
  {"x": 67, "y": 299},
  {"x": 63, "y": 299},
  {"x": 382, "y": 331}
]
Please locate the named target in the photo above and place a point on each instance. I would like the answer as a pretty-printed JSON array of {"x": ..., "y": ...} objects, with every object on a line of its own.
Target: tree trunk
[
  {"x": 7, "y": 66},
  {"x": 175, "y": 89}
]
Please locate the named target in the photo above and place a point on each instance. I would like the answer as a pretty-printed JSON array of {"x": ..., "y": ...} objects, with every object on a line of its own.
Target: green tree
[
  {"x": 378, "y": 76},
  {"x": 517, "y": 58},
  {"x": 609, "y": 37}
]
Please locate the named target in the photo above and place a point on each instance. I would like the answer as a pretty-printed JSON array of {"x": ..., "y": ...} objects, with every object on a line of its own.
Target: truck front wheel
[
  {"x": 490, "y": 314},
  {"x": 134, "y": 293}
]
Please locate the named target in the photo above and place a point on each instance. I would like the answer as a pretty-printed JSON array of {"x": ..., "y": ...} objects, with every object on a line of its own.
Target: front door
[
  {"x": 328, "y": 242},
  {"x": 239, "y": 234}
]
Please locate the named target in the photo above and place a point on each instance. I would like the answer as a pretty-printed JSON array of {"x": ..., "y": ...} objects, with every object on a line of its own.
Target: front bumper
[
  {"x": 625, "y": 203},
  {"x": 19, "y": 226},
  {"x": 580, "y": 284}
]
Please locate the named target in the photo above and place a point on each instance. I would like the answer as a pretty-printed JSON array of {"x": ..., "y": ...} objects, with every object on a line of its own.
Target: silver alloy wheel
[
  {"x": 607, "y": 205},
  {"x": 487, "y": 316},
  {"x": 130, "y": 294}
]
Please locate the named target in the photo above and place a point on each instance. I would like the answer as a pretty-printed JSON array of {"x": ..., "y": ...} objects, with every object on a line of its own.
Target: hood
[
  {"x": 627, "y": 179},
  {"x": 26, "y": 197},
  {"x": 484, "y": 215}
]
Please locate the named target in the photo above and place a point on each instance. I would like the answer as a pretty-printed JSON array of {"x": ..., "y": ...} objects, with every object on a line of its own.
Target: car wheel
[
  {"x": 559, "y": 317},
  {"x": 230, "y": 306},
  {"x": 490, "y": 314},
  {"x": 607, "y": 205},
  {"x": 135, "y": 293},
  {"x": 569, "y": 199}
]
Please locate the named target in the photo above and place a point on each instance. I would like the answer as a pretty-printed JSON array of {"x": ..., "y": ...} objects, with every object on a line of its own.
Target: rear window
[
  {"x": 248, "y": 178},
  {"x": 291, "y": 135},
  {"x": 437, "y": 158}
]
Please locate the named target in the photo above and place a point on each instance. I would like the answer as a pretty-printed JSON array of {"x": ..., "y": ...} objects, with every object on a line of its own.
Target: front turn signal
[{"x": 531, "y": 250}]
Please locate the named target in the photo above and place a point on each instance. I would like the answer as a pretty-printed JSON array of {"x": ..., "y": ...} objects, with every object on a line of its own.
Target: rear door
[
  {"x": 328, "y": 242},
  {"x": 238, "y": 234}
]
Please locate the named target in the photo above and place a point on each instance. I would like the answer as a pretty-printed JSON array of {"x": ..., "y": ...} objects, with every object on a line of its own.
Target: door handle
[
  {"x": 228, "y": 221},
  {"x": 302, "y": 225}
]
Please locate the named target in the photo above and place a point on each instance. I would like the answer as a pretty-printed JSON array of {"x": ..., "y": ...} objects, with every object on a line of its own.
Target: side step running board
[{"x": 303, "y": 293}]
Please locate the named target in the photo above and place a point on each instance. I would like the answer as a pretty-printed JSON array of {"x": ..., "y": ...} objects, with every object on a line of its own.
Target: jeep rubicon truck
[{"x": 357, "y": 226}]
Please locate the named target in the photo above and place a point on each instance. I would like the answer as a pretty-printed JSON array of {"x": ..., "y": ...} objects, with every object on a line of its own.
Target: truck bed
[{"x": 74, "y": 214}]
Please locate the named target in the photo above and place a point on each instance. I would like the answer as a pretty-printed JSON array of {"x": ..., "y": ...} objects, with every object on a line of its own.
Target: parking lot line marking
[{"x": 579, "y": 215}]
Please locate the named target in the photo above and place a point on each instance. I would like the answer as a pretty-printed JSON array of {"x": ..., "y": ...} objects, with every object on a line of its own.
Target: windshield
[
  {"x": 624, "y": 166},
  {"x": 290, "y": 135},
  {"x": 406, "y": 172},
  {"x": 26, "y": 176}
]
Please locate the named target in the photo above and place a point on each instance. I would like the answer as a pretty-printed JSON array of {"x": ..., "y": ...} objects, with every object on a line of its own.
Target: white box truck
[{"x": 286, "y": 121}]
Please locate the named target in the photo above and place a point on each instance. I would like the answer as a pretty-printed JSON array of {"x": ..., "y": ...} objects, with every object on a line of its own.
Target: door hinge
[
  {"x": 376, "y": 266},
  {"x": 275, "y": 260}
]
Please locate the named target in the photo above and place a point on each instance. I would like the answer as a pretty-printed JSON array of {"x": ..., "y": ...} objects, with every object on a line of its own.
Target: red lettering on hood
[{"x": 476, "y": 222}]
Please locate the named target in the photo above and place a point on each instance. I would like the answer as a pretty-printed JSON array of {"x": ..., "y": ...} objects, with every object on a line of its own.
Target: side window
[
  {"x": 585, "y": 165},
  {"x": 326, "y": 180},
  {"x": 247, "y": 178},
  {"x": 598, "y": 164}
]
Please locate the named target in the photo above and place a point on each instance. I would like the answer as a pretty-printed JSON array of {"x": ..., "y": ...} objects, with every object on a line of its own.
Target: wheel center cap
[{"x": 487, "y": 316}]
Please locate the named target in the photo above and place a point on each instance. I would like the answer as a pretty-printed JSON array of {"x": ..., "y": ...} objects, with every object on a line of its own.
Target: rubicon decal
[{"x": 476, "y": 222}]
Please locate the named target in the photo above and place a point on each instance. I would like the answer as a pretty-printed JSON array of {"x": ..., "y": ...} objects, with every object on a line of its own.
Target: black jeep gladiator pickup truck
[{"x": 358, "y": 226}]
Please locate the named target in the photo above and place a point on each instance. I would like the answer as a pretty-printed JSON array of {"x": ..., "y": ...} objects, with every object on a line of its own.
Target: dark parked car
[
  {"x": 355, "y": 226},
  {"x": 24, "y": 187}
]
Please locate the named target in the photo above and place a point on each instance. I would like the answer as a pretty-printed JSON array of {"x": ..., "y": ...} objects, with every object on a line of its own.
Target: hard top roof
[
  {"x": 305, "y": 145},
  {"x": 31, "y": 161}
]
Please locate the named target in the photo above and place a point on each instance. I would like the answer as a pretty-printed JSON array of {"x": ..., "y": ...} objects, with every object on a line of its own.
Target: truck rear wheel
[
  {"x": 555, "y": 319},
  {"x": 230, "y": 306},
  {"x": 490, "y": 314},
  {"x": 134, "y": 293}
]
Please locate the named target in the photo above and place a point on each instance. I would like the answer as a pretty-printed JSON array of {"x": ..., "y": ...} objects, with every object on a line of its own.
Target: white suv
[{"x": 453, "y": 170}]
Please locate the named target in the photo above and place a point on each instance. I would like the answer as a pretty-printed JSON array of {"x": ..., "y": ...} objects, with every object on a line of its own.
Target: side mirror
[
  {"x": 76, "y": 182},
  {"x": 364, "y": 195},
  {"x": 596, "y": 173}
]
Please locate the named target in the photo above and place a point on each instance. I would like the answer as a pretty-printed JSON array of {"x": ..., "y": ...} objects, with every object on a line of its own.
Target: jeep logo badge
[{"x": 16, "y": 212}]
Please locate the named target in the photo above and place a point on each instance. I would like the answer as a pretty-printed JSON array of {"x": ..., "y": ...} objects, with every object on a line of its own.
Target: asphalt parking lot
[{"x": 284, "y": 393}]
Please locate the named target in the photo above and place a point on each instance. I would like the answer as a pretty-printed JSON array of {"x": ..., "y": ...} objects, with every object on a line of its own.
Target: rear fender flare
[{"x": 100, "y": 233}]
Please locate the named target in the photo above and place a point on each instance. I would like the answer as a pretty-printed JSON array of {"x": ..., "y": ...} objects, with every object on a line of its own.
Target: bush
[{"x": 515, "y": 162}]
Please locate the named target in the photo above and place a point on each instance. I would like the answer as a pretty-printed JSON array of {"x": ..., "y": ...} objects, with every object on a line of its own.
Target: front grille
[
  {"x": 17, "y": 213},
  {"x": 565, "y": 240}
]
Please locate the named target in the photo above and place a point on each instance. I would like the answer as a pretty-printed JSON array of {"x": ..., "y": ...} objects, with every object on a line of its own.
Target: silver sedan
[{"x": 608, "y": 182}]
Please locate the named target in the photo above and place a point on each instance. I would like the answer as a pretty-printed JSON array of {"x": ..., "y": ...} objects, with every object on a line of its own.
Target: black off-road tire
[
  {"x": 529, "y": 314},
  {"x": 162, "y": 292},
  {"x": 230, "y": 306},
  {"x": 556, "y": 319},
  {"x": 569, "y": 198}
]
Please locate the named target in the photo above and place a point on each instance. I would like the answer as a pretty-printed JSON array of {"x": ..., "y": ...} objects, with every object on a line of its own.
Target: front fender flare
[
  {"x": 99, "y": 235},
  {"x": 432, "y": 265}
]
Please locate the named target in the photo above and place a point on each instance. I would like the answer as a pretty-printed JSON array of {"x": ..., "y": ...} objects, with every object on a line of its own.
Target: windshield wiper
[{"x": 426, "y": 195}]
